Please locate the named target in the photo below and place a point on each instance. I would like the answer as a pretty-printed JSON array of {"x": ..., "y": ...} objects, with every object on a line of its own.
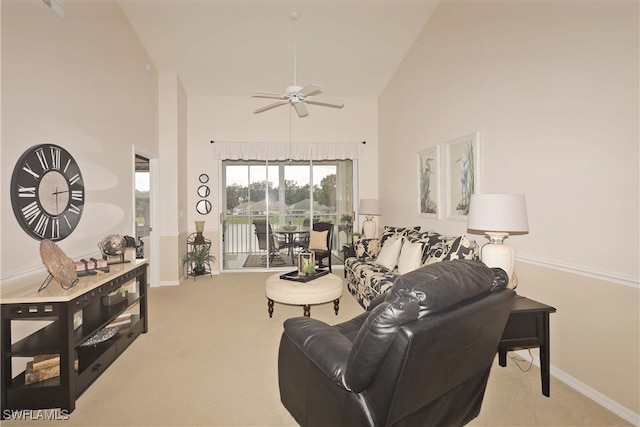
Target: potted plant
[
  {"x": 346, "y": 226},
  {"x": 197, "y": 259},
  {"x": 309, "y": 268}
]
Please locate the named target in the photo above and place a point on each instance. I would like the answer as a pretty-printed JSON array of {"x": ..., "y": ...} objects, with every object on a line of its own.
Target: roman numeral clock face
[{"x": 47, "y": 192}]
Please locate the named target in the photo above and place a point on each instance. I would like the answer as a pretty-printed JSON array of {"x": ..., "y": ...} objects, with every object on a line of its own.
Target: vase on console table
[{"x": 199, "y": 239}]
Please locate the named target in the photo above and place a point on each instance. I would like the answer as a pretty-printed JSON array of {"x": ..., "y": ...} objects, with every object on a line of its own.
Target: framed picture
[
  {"x": 462, "y": 175},
  {"x": 429, "y": 183},
  {"x": 306, "y": 263}
]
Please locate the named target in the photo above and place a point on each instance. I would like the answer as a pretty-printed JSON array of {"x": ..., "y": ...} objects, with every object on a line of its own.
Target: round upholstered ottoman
[{"x": 317, "y": 291}]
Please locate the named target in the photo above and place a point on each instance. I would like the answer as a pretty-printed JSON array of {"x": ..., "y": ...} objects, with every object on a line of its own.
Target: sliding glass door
[{"x": 280, "y": 193}]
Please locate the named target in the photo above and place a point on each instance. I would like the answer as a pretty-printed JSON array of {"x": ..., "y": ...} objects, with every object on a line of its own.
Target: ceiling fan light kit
[{"x": 296, "y": 95}]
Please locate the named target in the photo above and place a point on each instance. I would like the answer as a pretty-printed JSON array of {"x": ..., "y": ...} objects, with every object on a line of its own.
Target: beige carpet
[{"x": 209, "y": 359}]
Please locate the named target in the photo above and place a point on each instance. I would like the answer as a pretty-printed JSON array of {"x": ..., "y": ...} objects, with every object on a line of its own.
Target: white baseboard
[
  {"x": 181, "y": 280},
  {"x": 166, "y": 283},
  {"x": 587, "y": 391}
]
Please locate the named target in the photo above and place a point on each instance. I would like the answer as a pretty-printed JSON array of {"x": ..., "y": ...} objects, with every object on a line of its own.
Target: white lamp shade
[
  {"x": 498, "y": 212},
  {"x": 369, "y": 207}
]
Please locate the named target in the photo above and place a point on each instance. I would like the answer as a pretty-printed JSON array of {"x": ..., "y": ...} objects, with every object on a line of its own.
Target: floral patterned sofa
[{"x": 379, "y": 261}]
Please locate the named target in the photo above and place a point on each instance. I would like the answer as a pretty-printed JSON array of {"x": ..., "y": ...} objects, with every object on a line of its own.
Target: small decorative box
[{"x": 113, "y": 299}]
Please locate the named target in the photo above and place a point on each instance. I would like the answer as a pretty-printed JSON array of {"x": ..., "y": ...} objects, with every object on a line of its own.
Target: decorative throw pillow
[
  {"x": 463, "y": 248},
  {"x": 415, "y": 234},
  {"x": 439, "y": 248},
  {"x": 389, "y": 253},
  {"x": 426, "y": 239},
  {"x": 410, "y": 257},
  {"x": 318, "y": 240},
  {"x": 395, "y": 232},
  {"x": 367, "y": 248}
]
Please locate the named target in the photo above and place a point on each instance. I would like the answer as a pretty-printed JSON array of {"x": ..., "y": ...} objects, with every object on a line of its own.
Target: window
[{"x": 299, "y": 192}]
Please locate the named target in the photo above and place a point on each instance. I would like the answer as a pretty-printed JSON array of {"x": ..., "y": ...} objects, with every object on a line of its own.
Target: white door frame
[{"x": 154, "y": 243}]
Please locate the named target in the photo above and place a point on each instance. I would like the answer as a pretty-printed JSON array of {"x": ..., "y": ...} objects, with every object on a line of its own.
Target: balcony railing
[{"x": 240, "y": 236}]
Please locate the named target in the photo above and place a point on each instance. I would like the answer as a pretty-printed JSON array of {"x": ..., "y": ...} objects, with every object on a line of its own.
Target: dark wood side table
[
  {"x": 347, "y": 251},
  {"x": 528, "y": 326}
]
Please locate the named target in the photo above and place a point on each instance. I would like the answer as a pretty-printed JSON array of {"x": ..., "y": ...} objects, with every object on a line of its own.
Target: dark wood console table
[
  {"x": 528, "y": 326},
  {"x": 75, "y": 315}
]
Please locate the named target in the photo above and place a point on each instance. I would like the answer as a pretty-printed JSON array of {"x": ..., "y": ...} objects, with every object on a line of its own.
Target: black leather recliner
[{"x": 421, "y": 355}]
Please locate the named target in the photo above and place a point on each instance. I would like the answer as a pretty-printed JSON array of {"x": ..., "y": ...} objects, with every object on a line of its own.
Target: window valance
[{"x": 286, "y": 150}]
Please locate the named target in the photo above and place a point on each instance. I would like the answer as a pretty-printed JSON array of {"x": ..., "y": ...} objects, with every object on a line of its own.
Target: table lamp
[
  {"x": 369, "y": 208},
  {"x": 199, "y": 239},
  {"x": 497, "y": 215}
]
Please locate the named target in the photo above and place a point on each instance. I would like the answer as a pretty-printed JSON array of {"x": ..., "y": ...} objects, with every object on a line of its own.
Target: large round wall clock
[{"x": 47, "y": 192}]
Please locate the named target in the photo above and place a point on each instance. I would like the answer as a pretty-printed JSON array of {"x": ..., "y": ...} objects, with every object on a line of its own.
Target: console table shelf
[{"x": 64, "y": 338}]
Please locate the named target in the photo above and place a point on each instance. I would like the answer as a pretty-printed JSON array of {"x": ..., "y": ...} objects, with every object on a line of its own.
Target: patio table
[{"x": 290, "y": 235}]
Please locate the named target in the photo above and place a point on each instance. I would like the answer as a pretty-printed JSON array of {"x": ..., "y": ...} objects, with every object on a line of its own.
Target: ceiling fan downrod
[{"x": 294, "y": 17}]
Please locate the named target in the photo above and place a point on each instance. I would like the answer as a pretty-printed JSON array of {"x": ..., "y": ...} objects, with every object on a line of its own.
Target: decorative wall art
[
  {"x": 429, "y": 183},
  {"x": 462, "y": 175},
  {"x": 203, "y": 206},
  {"x": 204, "y": 191}
]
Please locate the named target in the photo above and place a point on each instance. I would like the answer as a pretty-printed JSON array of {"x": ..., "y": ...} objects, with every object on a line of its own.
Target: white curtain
[{"x": 286, "y": 150}]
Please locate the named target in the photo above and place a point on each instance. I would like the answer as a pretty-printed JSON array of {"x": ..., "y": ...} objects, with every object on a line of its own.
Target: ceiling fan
[{"x": 296, "y": 95}]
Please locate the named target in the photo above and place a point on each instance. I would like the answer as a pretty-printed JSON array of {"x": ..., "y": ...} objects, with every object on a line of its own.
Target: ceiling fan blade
[
  {"x": 330, "y": 102},
  {"x": 268, "y": 95},
  {"x": 270, "y": 106},
  {"x": 300, "y": 109},
  {"x": 294, "y": 94},
  {"x": 310, "y": 89}
]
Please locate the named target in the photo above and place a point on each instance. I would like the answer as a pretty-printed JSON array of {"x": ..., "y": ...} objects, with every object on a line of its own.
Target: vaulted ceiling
[{"x": 231, "y": 48}]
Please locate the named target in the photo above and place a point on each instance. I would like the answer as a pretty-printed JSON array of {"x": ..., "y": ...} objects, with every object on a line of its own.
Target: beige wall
[
  {"x": 172, "y": 176},
  {"x": 594, "y": 333},
  {"x": 80, "y": 82},
  {"x": 231, "y": 119},
  {"x": 552, "y": 89}
]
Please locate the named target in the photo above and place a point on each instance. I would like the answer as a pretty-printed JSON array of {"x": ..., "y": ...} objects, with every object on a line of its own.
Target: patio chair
[
  {"x": 325, "y": 251},
  {"x": 268, "y": 242},
  {"x": 302, "y": 242}
]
